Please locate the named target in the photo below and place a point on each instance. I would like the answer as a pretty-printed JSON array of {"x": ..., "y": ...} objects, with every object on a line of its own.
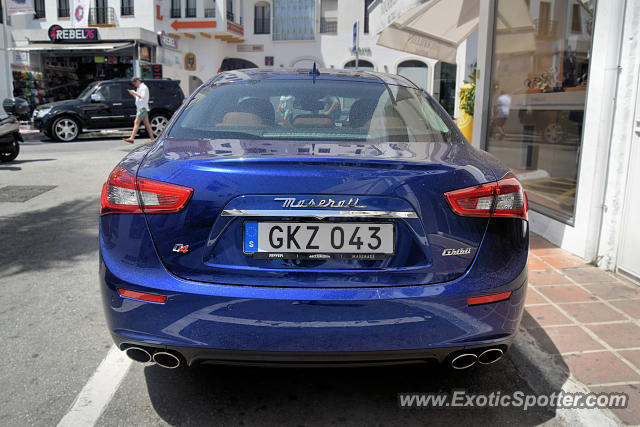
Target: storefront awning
[
  {"x": 436, "y": 29},
  {"x": 76, "y": 46}
]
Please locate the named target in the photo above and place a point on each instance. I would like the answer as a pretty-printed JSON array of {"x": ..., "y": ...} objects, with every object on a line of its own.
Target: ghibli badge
[{"x": 460, "y": 251}]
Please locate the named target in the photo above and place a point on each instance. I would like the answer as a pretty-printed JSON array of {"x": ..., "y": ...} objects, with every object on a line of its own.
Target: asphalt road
[{"x": 54, "y": 336}]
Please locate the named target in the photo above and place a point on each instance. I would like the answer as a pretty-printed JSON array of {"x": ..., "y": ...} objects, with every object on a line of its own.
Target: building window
[
  {"x": 230, "y": 16},
  {"x": 576, "y": 19},
  {"x": 63, "y": 8},
  {"x": 38, "y": 6},
  {"x": 191, "y": 9},
  {"x": 416, "y": 71},
  {"x": 329, "y": 16},
  {"x": 539, "y": 83},
  {"x": 363, "y": 64},
  {"x": 175, "y": 9},
  {"x": 294, "y": 19},
  {"x": 262, "y": 19},
  {"x": 210, "y": 9},
  {"x": 365, "y": 25},
  {"x": 126, "y": 7}
]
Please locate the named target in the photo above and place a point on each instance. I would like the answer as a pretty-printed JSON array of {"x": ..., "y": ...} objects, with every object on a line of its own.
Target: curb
[{"x": 545, "y": 375}]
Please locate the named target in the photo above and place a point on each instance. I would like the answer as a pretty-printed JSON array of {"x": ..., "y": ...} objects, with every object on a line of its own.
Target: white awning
[
  {"x": 76, "y": 46},
  {"x": 435, "y": 29}
]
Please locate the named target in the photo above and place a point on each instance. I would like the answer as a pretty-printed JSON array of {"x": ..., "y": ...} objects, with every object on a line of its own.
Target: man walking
[{"x": 141, "y": 94}]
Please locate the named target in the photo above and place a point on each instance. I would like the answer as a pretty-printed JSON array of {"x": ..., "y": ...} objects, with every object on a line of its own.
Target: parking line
[{"x": 98, "y": 391}]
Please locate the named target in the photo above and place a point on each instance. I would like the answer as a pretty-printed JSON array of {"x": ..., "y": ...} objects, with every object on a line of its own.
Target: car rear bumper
[{"x": 250, "y": 325}]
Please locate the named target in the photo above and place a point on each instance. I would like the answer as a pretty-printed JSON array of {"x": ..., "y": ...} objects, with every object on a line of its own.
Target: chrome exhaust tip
[
  {"x": 138, "y": 354},
  {"x": 464, "y": 361},
  {"x": 166, "y": 360},
  {"x": 490, "y": 356}
]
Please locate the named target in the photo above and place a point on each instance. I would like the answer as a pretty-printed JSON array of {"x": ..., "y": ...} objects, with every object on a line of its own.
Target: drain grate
[{"x": 22, "y": 193}]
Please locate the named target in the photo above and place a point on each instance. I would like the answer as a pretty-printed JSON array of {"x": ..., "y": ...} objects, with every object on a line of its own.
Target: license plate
[{"x": 319, "y": 240}]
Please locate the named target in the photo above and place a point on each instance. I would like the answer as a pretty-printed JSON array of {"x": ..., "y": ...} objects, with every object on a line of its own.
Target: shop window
[
  {"x": 363, "y": 64},
  {"x": 38, "y": 6},
  {"x": 176, "y": 11},
  {"x": 63, "y": 8},
  {"x": 262, "y": 18},
  {"x": 329, "y": 16},
  {"x": 126, "y": 7},
  {"x": 191, "y": 11},
  {"x": 294, "y": 19},
  {"x": 538, "y": 90}
]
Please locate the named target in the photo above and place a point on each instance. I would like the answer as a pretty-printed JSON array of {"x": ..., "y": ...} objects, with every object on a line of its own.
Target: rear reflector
[
  {"x": 124, "y": 193},
  {"x": 126, "y": 293},
  {"x": 485, "y": 299},
  {"x": 505, "y": 198}
]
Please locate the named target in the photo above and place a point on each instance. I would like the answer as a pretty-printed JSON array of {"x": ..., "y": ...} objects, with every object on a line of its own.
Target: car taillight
[
  {"x": 505, "y": 198},
  {"x": 124, "y": 193}
]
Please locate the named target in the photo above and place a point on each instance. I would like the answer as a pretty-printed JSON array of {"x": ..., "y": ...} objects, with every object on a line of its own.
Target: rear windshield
[{"x": 304, "y": 110}]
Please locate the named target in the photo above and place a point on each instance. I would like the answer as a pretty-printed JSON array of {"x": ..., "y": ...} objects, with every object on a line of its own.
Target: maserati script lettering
[{"x": 292, "y": 202}]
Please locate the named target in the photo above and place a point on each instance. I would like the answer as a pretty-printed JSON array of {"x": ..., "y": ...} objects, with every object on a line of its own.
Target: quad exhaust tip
[
  {"x": 166, "y": 360},
  {"x": 138, "y": 354},
  {"x": 464, "y": 361},
  {"x": 490, "y": 356}
]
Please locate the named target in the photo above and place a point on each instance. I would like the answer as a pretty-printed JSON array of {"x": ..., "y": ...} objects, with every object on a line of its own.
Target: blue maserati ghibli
[{"x": 322, "y": 217}]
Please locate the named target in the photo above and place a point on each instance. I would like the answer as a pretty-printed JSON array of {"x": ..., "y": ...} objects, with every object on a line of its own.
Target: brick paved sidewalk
[{"x": 588, "y": 317}]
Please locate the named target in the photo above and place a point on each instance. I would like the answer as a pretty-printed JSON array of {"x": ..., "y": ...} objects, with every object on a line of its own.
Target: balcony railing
[
  {"x": 190, "y": 12},
  {"x": 126, "y": 10},
  {"x": 262, "y": 26},
  {"x": 102, "y": 16},
  {"x": 39, "y": 11},
  {"x": 329, "y": 25},
  {"x": 210, "y": 12},
  {"x": 230, "y": 16},
  {"x": 63, "y": 13},
  {"x": 175, "y": 13}
]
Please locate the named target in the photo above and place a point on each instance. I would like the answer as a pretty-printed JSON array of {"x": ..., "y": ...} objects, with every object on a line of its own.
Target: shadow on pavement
[
  {"x": 37, "y": 240},
  {"x": 19, "y": 162},
  {"x": 327, "y": 396}
]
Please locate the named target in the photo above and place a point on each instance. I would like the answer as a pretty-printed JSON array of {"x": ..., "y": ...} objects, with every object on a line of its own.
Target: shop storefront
[
  {"x": 557, "y": 100},
  {"x": 557, "y": 97},
  {"x": 62, "y": 66}
]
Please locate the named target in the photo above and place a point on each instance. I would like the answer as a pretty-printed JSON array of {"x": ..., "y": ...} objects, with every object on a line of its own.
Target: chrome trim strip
[{"x": 319, "y": 213}]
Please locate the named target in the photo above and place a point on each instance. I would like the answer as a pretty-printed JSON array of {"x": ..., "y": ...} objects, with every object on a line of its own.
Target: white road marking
[{"x": 98, "y": 391}]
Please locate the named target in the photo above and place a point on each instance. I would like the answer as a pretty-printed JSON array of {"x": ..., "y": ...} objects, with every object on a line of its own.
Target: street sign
[{"x": 354, "y": 48}]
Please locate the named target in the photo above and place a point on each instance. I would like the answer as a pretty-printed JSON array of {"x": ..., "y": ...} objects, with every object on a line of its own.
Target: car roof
[
  {"x": 122, "y": 79},
  {"x": 305, "y": 74}
]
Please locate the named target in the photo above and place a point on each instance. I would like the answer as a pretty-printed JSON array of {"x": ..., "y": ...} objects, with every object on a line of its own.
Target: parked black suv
[{"x": 107, "y": 105}]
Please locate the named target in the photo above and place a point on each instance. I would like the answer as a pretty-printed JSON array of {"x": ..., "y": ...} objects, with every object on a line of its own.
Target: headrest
[{"x": 312, "y": 121}]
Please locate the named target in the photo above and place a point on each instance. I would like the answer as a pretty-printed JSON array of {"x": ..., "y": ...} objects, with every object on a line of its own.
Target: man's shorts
[{"x": 142, "y": 113}]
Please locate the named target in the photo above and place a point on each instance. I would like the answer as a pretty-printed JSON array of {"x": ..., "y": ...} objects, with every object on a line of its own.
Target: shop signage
[
  {"x": 190, "y": 62},
  {"x": 151, "y": 71},
  {"x": 19, "y": 7},
  {"x": 57, "y": 34},
  {"x": 80, "y": 10},
  {"x": 167, "y": 41},
  {"x": 250, "y": 47},
  {"x": 363, "y": 51}
]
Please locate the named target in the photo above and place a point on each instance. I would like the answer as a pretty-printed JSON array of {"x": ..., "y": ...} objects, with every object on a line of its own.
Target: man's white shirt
[{"x": 143, "y": 100}]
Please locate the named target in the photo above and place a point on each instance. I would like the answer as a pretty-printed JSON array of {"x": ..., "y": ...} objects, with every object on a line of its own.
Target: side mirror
[
  {"x": 97, "y": 97},
  {"x": 15, "y": 106}
]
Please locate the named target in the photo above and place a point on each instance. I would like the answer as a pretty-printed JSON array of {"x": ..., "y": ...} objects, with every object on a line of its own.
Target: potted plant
[{"x": 467, "y": 103}]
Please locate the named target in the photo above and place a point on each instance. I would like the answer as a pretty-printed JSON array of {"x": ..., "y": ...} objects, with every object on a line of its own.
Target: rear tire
[
  {"x": 65, "y": 129},
  {"x": 12, "y": 153}
]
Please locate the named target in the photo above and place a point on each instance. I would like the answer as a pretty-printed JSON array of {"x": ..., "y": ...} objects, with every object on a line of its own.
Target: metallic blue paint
[{"x": 218, "y": 298}]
